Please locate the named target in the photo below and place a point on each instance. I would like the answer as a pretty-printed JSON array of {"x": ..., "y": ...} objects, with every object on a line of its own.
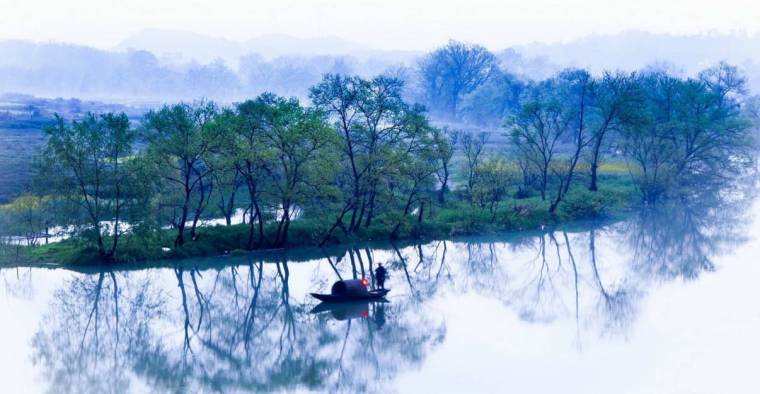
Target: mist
[{"x": 155, "y": 66}]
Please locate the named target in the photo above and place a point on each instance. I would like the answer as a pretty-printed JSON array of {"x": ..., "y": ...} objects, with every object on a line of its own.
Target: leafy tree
[
  {"x": 251, "y": 154},
  {"x": 692, "y": 132},
  {"x": 368, "y": 116},
  {"x": 181, "y": 141},
  {"x": 557, "y": 111},
  {"x": 577, "y": 90},
  {"x": 417, "y": 160},
  {"x": 84, "y": 163},
  {"x": 473, "y": 148},
  {"x": 536, "y": 132},
  {"x": 493, "y": 101},
  {"x": 618, "y": 103},
  {"x": 445, "y": 143},
  {"x": 29, "y": 216},
  {"x": 453, "y": 71},
  {"x": 494, "y": 179},
  {"x": 300, "y": 142},
  {"x": 225, "y": 175}
]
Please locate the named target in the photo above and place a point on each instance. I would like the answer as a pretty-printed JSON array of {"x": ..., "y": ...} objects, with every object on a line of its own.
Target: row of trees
[
  {"x": 361, "y": 155},
  {"x": 671, "y": 132},
  {"x": 359, "y": 152}
]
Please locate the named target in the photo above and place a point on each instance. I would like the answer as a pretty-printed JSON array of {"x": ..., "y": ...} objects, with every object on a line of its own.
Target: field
[{"x": 17, "y": 150}]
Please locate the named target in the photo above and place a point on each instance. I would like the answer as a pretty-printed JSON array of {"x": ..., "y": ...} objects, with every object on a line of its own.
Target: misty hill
[
  {"x": 65, "y": 70},
  {"x": 162, "y": 65},
  {"x": 635, "y": 50},
  {"x": 181, "y": 46}
]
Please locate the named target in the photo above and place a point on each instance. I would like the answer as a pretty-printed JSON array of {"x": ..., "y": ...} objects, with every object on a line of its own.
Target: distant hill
[
  {"x": 635, "y": 50},
  {"x": 180, "y": 46},
  {"x": 217, "y": 69},
  {"x": 166, "y": 65}
]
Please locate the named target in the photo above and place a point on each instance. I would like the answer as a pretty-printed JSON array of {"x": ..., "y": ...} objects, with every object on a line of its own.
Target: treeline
[
  {"x": 56, "y": 70},
  {"x": 362, "y": 160}
]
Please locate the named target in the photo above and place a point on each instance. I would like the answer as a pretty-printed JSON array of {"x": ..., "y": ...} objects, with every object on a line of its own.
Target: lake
[{"x": 665, "y": 301}]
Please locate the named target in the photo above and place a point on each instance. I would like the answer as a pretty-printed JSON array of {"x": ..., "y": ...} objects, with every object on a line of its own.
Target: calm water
[{"x": 665, "y": 302}]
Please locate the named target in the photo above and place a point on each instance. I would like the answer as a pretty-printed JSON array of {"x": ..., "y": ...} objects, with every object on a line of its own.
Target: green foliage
[
  {"x": 691, "y": 131},
  {"x": 84, "y": 164},
  {"x": 364, "y": 164},
  {"x": 584, "y": 204}
]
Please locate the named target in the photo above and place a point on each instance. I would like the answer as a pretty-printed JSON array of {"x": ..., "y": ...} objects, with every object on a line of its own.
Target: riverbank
[{"x": 617, "y": 195}]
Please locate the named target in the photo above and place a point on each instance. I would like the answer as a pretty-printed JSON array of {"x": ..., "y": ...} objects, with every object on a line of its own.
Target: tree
[
  {"x": 445, "y": 143},
  {"x": 493, "y": 101},
  {"x": 473, "y": 148},
  {"x": 29, "y": 216},
  {"x": 416, "y": 163},
  {"x": 494, "y": 178},
  {"x": 367, "y": 116},
  {"x": 648, "y": 144},
  {"x": 181, "y": 140},
  {"x": 225, "y": 174},
  {"x": 536, "y": 132},
  {"x": 250, "y": 154},
  {"x": 300, "y": 142},
  {"x": 84, "y": 163},
  {"x": 577, "y": 91},
  {"x": 452, "y": 71},
  {"x": 617, "y": 104},
  {"x": 692, "y": 132}
]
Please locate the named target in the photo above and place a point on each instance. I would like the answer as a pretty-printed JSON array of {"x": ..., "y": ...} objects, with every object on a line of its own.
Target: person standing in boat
[{"x": 380, "y": 275}]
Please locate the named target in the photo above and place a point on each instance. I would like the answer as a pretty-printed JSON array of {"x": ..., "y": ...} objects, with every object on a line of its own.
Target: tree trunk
[
  {"x": 371, "y": 211},
  {"x": 544, "y": 181},
  {"x": 180, "y": 240},
  {"x": 595, "y": 165}
]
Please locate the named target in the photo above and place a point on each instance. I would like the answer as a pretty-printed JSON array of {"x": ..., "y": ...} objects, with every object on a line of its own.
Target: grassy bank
[{"x": 457, "y": 218}]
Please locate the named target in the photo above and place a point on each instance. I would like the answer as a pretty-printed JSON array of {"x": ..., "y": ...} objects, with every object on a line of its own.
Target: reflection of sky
[{"x": 506, "y": 318}]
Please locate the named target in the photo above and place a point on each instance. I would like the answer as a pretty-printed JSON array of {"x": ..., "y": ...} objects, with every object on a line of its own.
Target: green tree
[
  {"x": 251, "y": 154},
  {"x": 368, "y": 117},
  {"x": 301, "y": 143},
  {"x": 473, "y": 147},
  {"x": 618, "y": 104},
  {"x": 445, "y": 143},
  {"x": 84, "y": 163},
  {"x": 181, "y": 139},
  {"x": 692, "y": 132},
  {"x": 494, "y": 180}
]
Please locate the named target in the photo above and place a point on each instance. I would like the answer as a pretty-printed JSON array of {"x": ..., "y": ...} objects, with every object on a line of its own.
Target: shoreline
[{"x": 217, "y": 242}]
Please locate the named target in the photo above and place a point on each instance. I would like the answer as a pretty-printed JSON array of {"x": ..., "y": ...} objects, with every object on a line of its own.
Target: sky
[{"x": 379, "y": 24}]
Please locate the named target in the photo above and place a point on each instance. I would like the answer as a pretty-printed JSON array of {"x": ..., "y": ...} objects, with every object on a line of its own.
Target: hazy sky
[{"x": 382, "y": 24}]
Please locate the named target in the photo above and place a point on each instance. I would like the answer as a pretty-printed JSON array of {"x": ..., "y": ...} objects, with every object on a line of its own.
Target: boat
[
  {"x": 351, "y": 290},
  {"x": 370, "y": 295}
]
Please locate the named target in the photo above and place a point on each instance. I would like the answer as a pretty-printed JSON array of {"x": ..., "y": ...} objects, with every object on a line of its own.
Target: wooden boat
[
  {"x": 351, "y": 290},
  {"x": 369, "y": 295}
]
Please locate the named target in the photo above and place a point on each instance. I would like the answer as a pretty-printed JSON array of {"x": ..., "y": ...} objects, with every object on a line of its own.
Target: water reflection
[{"x": 249, "y": 324}]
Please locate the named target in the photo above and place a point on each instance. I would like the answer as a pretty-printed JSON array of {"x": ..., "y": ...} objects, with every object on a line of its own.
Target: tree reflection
[
  {"x": 249, "y": 326},
  {"x": 234, "y": 329},
  {"x": 679, "y": 239},
  {"x": 85, "y": 341}
]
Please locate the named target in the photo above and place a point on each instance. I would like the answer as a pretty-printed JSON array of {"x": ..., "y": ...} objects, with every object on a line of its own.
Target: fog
[{"x": 167, "y": 65}]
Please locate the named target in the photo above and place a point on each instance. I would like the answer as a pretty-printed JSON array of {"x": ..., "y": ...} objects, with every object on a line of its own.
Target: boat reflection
[{"x": 353, "y": 310}]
